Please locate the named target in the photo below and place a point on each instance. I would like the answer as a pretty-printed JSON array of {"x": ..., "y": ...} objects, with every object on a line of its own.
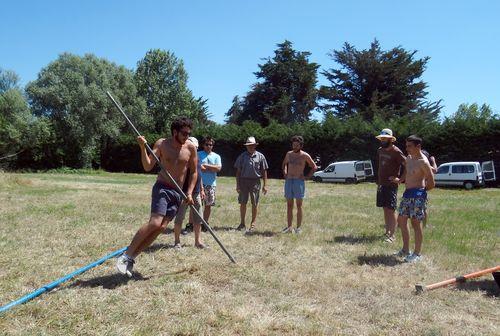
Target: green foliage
[
  {"x": 70, "y": 92},
  {"x": 162, "y": 81},
  {"x": 374, "y": 83},
  {"x": 286, "y": 94},
  {"x": 15, "y": 119}
]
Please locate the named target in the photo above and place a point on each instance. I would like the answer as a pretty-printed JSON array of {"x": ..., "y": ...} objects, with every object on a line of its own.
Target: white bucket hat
[
  {"x": 251, "y": 141},
  {"x": 194, "y": 141},
  {"x": 385, "y": 134}
]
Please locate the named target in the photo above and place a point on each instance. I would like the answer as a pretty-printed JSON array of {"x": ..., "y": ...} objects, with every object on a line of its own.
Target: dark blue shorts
[{"x": 165, "y": 200}]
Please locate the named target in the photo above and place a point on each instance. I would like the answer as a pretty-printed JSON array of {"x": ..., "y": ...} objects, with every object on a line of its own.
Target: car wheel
[
  {"x": 468, "y": 185},
  {"x": 350, "y": 180},
  {"x": 317, "y": 179}
]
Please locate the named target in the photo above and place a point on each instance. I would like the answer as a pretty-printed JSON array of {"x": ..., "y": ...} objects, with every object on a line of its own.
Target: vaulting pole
[
  {"x": 56, "y": 283},
  {"x": 179, "y": 190}
]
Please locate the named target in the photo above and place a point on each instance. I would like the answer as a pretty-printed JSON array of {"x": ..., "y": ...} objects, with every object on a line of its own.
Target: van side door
[{"x": 488, "y": 171}]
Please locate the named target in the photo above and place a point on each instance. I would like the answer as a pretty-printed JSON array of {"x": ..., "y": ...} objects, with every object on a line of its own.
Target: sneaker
[
  {"x": 250, "y": 230},
  {"x": 410, "y": 258},
  {"x": 124, "y": 265},
  {"x": 241, "y": 227},
  {"x": 189, "y": 228},
  {"x": 402, "y": 254},
  {"x": 389, "y": 239},
  {"x": 177, "y": 246},
  {"x": 287, "y": 230},
  {"x": 298, "y": 230}
]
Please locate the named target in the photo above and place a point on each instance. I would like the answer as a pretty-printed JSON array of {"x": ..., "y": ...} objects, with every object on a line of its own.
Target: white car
[
  {"x": 467, "y": 174},
  {"x": 345, "y": 171}
]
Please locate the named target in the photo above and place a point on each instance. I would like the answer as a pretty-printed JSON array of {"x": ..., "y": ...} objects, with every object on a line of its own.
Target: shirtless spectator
[
  {"x": 434, "y": 168},
  {"x": 418, "y": 178},
  {"x": 293, "y": 170}
]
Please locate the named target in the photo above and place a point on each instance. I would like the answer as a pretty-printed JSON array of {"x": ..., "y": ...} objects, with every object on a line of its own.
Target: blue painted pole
[{"x": 56, "y": 283}]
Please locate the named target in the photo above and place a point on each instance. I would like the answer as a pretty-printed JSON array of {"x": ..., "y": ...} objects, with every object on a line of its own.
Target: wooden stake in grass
[
  {"x": 179, "y": 190},
  {"x": 459, "y": 279}
]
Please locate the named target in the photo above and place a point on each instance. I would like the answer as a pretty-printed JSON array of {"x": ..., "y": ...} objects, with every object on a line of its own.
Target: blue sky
[{"x": 221, "y": 42}]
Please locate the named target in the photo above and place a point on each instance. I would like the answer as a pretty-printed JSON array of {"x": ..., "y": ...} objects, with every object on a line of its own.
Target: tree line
[{"x": 64, "y": 119}]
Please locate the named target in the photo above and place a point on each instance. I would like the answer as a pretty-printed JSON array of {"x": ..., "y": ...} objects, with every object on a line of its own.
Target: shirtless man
[
  {"x": 293, "y": 170},
  {"x": 176, "y": 155},
  {"x": 418, "y": 178}
]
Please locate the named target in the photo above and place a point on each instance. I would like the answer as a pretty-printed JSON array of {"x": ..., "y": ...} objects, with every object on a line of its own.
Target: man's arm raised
[{"x": 148, "y": 161}]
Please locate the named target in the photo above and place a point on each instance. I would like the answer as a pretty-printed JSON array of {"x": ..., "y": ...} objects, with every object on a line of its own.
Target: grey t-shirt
[{"x": 251, "y": 166}]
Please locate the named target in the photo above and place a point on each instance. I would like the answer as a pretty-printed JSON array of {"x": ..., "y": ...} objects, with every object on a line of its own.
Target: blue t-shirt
[{"x": 209, "y": 177}]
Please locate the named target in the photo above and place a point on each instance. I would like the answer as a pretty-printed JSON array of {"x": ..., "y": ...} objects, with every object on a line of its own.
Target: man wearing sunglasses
[
  {"x": 177, "y": 156},
  {"x": 211, "y": 164}
]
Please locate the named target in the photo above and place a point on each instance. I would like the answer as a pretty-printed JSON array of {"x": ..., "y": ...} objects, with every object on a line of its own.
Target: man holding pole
[{"x": 176, "y": 156}]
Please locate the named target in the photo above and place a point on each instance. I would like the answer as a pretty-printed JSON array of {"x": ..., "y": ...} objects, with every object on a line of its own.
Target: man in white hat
[
  {"x": 390, "y": 161},
  {"x": 198, "y": 196},
  {"x": 250, "y": 166}
]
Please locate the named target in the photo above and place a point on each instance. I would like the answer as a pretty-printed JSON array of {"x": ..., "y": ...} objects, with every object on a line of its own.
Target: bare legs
[
  {"x": 206, "y": 212},
  {"x": 289, "y": 212},
  {"x": 390, "y": 221},
  {"x": 405, "y": 233},
  {"x": 243, "y": 212},
  {"x": 147, "y": 234}
]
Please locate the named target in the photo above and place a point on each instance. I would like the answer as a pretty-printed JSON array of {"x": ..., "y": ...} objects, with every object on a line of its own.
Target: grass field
[{"x": 336, "y": 277}]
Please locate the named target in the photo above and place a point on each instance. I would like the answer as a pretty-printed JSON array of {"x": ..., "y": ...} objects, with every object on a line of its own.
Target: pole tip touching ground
[{"x": 419, "y": 288}]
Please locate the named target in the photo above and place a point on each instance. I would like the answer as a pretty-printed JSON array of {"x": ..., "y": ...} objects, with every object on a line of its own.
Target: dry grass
[{"x": 337, "y": 277}]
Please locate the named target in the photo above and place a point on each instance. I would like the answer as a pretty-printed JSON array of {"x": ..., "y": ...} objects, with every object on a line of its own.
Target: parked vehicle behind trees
[
  {"x": 345, "y": 171},
  {"x": 467, "y": 174}
]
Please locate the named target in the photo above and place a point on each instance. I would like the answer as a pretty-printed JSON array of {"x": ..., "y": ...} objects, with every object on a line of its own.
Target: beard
[{"x": 182, "y": 142}]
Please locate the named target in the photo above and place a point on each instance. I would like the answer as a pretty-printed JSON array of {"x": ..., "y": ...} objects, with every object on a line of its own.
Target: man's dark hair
[
  {"x": 298, "y": 138},
  {"x": 415, "y": 140},
  {"x": 179, "y": 123},
  {"x": 208, "y": 139}
]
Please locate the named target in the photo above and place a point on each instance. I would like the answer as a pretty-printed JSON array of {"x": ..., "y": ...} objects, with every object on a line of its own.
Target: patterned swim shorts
[
  {"x": 413, "y": 203},
  {"x": 209, "y": 195}
]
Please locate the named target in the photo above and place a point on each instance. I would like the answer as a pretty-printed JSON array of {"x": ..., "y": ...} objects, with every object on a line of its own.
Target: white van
[
  {"x": 345, "y": 171},
  {"x": 466, "y": 174}
]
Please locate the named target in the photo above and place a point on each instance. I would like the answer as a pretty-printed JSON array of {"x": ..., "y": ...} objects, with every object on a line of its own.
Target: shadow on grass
[
  {"x": 109, "y": 281},
  {"x": 158, "y": 246},
  {"x": 224, "y": 228},
  {"x": 266, "y": 233},
  {"x": 354, "y": 239},
  {"x": 490, "y": 287},
  {"x": 378, "y": 260}
]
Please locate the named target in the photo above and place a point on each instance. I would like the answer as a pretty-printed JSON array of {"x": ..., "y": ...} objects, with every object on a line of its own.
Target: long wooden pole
[{"x": 461, "y": 278}]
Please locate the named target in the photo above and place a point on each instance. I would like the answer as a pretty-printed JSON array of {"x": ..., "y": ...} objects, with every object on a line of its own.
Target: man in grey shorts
[
  {"x": 198, "y": 195},
  {"x": 250, "y": 166}
]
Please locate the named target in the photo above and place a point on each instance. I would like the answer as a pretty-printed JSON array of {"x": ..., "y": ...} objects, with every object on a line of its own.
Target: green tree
[
  {"x": 234, "y": 114},
  {"x": 375, "y": 82},
  {"x": 287, "y": 91},
  {"x": 15, "y": 116},
  {"x": 472, "y": 112},
  {"x": 70, "y": 92},
  {"x": 162, "y": 81}
]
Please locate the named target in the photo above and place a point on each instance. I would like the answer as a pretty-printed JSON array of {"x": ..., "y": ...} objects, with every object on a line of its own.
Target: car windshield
[{"x": 443, "y": 170}]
